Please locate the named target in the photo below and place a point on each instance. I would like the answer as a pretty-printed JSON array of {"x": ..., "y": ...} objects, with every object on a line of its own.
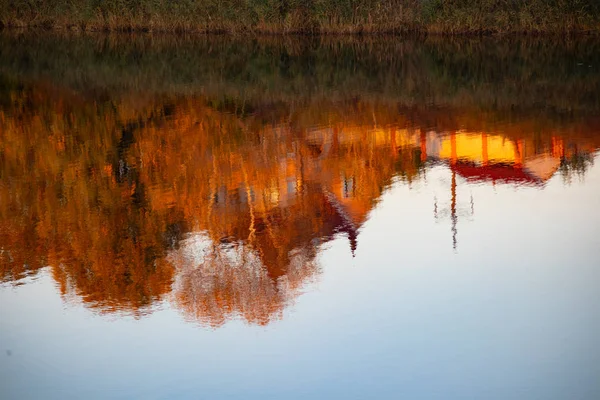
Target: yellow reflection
[{"x": 479, "y": 147}]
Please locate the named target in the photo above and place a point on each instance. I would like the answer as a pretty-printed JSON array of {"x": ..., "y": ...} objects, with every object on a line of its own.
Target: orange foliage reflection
[{"x": 222, "y": 214}]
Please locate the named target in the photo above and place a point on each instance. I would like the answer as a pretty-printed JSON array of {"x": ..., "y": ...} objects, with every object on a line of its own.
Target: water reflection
[
  {"x": 221, "y": 207},
  {"x": 222, "y": 213}
]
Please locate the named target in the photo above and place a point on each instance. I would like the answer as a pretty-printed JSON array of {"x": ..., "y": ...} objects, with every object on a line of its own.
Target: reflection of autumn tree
[
  {"x": 243, "y": 189},
  {"x": 262, "y": 194},
  {"x": 101, "y": 198},
  {"x": 215, "y": 282},
  {"x": 124, "y": 199},
  {"x": 577, "y": 164},
  {"x": 65, "y": 203}
]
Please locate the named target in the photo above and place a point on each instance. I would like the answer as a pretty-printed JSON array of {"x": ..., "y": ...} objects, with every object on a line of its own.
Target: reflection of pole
[
  {"x": 453, "y": 156},
  {"x": 520, "y": 155},
  {"x": 453, "y": 209},
  {"x": 423, "y": 140},
  {"x": 484, "y": 149},
  {"x": 453, "y": 215}
]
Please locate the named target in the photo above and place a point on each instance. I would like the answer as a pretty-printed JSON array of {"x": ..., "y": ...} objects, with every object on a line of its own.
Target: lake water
[{"x": 335, "y": 218}]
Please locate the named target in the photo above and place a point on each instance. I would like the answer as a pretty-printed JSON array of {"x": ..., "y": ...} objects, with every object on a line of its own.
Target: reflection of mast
[
  {"x": 453, "y": 216},
  {"x": 454, "y": 209}
]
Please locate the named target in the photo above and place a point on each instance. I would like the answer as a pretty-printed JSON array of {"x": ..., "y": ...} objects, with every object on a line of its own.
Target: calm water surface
[{"x": 299, "y": 219}]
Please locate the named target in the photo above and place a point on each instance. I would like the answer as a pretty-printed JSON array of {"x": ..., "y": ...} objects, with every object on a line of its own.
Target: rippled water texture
[{"x": 299, "y": 218}]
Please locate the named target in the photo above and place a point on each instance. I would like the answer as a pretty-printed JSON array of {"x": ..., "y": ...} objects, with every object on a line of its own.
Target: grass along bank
[
  {"x": 307, "y": 16},
  {"x": 551, "y": 76}
]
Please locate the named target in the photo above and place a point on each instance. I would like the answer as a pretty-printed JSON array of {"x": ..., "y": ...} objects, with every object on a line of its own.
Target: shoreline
[
  {"x": 557, "y": 76},
  {"x": 75, "y": 29},
  {"x": 309, "y": 17}
]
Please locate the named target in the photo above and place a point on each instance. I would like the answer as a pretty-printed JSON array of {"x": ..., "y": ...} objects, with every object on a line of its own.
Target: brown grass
[{"x": 307, "y": 16}]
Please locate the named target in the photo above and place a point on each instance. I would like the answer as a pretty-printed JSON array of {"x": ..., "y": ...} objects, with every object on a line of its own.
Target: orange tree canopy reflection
[{"x": 129, "y": 201}]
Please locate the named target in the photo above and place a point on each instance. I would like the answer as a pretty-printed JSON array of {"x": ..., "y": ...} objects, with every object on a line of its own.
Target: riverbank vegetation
[
  {"x": 307, "y": 16},
  {"x": 555, "y": 77}
]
